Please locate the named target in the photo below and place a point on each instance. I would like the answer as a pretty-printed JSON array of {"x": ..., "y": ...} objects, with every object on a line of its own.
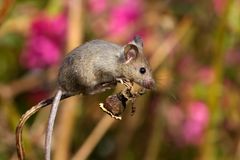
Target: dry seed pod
[{"x": 114, "y": 105}]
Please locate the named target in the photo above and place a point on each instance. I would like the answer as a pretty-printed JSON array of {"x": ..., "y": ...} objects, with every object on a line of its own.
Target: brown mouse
[
  {"x": 96, "y": 66},
  {"x": 93, "y": 68}
]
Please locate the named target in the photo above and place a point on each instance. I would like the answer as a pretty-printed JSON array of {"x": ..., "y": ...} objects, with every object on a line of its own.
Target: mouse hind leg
[{"x": 101, "y": 87}]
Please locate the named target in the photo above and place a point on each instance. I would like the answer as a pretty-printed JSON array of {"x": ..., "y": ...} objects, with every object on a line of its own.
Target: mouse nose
[{"x": 149, "y": 84}]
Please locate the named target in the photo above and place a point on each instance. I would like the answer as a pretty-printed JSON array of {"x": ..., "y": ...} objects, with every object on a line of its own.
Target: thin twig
[
  {"x": 5, "y": 9},
  {"x": 154, "y": 142},
  {"x": 94, "y": 138},
  {"x": 65, "y": 126},
  {"x": 130, "y": 126},
  {"x": 26, "y": 83},
  {"x": 25, "y": 117},
  {"x": 170, "y": 43}
]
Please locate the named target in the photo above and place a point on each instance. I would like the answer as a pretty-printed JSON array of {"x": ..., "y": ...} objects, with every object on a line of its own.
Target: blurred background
[{"x": 194, "y": 51}]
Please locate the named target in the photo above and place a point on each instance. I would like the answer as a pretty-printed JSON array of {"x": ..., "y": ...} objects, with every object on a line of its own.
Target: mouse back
[{"x": 89, "y": 65}]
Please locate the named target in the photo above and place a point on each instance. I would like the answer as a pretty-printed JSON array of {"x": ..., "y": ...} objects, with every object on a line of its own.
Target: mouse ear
[
  {"x": 130, "y": 52},
  {"x": 138, "y": 40}
]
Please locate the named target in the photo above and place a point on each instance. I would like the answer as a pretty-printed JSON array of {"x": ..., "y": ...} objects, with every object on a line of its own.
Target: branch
[{"x": 25, "y": 117}]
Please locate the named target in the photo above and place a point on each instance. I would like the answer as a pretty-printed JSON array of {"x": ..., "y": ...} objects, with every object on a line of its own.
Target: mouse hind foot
[{"x": 101, "y": 87}]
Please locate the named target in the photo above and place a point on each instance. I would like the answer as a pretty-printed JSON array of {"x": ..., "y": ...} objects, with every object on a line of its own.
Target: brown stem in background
[
  {"x": 26, "y": 83},
  {"x": 64, "y": 128},
  {"x": 104, "y": 124},
  {"x": 5, "y": 9},
  {"x": 155, "y": 138},
  {"x": 170, "y": 43},
  {"x": 130, "y": 126}
]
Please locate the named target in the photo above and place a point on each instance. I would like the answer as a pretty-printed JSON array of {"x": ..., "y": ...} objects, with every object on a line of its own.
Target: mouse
[{"x": 95, "y": 67}]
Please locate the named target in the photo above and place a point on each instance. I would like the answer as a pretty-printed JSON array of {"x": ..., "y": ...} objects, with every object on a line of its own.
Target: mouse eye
[{"x": 142, "y": 70}]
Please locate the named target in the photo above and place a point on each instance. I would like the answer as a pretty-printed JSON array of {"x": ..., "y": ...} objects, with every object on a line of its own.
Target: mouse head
[{"x": 134, "y": 65}]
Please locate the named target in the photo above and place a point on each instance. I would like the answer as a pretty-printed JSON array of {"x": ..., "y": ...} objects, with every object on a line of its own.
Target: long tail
[
  {"x": 51, "y": 120},
  {"x": 25, "y": 117}
]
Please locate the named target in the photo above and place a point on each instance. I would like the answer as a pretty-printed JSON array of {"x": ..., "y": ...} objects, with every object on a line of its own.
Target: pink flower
[
  {"x": 43, "y": 47},
  {"x": 116, "y": 20},
  {"x": 206, "y": 75},
  {"x": 123, "y": 16},
  {"x": 232, "y": 58},
  {"x": 40, "y": 52},
  {"x": 195, "y": 123},
  {"x": 174, "y": 116},
  {"x": 219, "y": 6},
  {"x": 52, "y": 27},
  {"x": 97, "y": 6}
]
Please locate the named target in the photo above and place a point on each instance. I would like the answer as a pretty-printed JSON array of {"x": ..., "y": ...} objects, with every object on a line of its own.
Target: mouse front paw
[{"x": 125, "y": 82}]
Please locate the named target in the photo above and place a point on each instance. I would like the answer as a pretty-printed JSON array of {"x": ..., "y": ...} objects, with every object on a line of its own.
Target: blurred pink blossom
[
  {"x": 195, "y": 123},
  {"x": 116, "y": 18},
  {"x": 124, "y": 16},
  {"x": 174, "y": 116},
  {"x": 97, "y": 6},
  {"x": 233, "y": 57},
  {"x": 219, "y": 6},
  {"x": 52, "y": 27},
  {"x": 43, "y": 46},
  {"x": 206, "y": 75},
  {"x": 40, "y": 52}
]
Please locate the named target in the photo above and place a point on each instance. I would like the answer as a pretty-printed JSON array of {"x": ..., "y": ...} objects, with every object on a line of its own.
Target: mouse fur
[{"x": 96, "y": 65}]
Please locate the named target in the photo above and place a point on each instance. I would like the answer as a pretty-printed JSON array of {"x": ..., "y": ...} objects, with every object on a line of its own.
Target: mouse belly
[
  {"x": 73, "y": 87},
  {"x": 101, "y": 87},
  {"x": 73, "y": 83}
]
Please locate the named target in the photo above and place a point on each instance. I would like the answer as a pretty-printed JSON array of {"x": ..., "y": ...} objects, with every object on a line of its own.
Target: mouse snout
[{"x": 149, "y": 83}]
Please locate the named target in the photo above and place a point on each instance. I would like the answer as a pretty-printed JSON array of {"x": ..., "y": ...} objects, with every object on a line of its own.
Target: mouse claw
[
  {"x": 125, "y": 82},
  {"x": 140, "y": 92},
  {"x": 120, "y": 80}
]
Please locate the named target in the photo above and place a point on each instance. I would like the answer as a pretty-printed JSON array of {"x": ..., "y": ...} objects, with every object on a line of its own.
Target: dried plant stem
[
  {"x": 154, "y": 142},
  {"x": 130, "y": 126},
  {"x": 75, "y": 25},
  {"x": 90, "y": 143},
  {"x": 237, "y": 154},
  {"x": 6, "y": 5},
  {"x": 65, "y": 127},
  {"x": 23, "y": 84},
  {"x": 19, "y": 129},
  {"x": 170, "y": 43},
  {"x": 24, "y": 118}
]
